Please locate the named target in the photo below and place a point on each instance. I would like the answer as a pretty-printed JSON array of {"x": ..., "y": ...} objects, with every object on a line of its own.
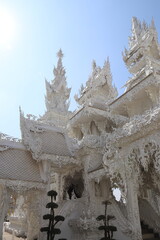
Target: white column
[
  {"x": 3, "y": 207},
  {"x": 43, "y": 200},
  {"x": 35, "y": 211},
  {"x": 133, "y": 209}
]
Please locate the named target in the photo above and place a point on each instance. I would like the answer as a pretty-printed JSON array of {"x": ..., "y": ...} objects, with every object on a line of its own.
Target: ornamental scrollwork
[
  {"x": 142, "y": 161},
  {"x": 114, "y": 167},
  {"x": 132, "y": 163},
  {"x": 152, "y": 155},
  {"x": 91, "y": 141},
  {"x": 22, "y": 186},
  {"x": 4, "y": 148}
]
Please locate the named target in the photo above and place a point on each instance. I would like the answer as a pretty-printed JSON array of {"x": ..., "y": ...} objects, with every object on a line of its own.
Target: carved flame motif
[{"x": 57, "y": 92}]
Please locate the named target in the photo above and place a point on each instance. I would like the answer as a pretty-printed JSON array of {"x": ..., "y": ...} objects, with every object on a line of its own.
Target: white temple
[{"x": 108, "y": 143}]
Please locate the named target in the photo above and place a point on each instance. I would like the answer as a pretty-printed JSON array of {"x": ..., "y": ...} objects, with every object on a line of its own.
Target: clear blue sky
[{"x": 84, "y": 29}]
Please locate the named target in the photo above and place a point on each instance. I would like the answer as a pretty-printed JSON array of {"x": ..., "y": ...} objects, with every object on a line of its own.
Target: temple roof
[
  {"x": 17, "y": 163},
  {"x": 41, "y": 138},
  {"x": 88, "y": 113}
]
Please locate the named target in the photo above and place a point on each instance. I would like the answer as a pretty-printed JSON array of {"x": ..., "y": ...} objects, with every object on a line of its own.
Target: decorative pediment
[
  {"x": 42, "y": 139},
  {"x": 98, "y": 90}
]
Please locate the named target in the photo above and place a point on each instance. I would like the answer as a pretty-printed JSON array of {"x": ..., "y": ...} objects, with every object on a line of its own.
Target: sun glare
[{"x": 7, "y": 28}]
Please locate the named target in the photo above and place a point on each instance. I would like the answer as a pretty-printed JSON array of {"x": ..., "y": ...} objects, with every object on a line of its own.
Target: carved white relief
[
  {"x": 9, "y": 138},
  {"x": 140, "y": 58},
  {"x": 98, "y": 85},
  {"x": 114, "y": 166},
  {"x": 91, "y": 141},
  {"x": 3, "y": 148},
  {"x": 30, "y": 135},
  {"x": 57, "y": 92},
  {"x": 113, "y": 139},
  {"x": 3, "y": 206},
  {"x": 21, "y": 186}
]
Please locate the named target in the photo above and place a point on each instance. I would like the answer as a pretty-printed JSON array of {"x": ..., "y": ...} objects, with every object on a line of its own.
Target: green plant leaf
[
  {"x": 56, "y": 231},
  {"x": 100, "y": 217},
  {"x": 52, "y": 205},
  {"x": 48, "y": 216},
  {"x": 110, "y": 217},
  {"x": 108, "y": 228},
  {"x": 101, "y": 227},
  {"x": 44, "y": 229},
  {"x": 112, "y": 228},
  {"x": 59, "y": 218},
  {"x": 52, "y": 193}
]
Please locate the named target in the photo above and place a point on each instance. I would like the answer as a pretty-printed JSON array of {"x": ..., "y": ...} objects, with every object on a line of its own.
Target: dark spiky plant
[
  {"x": 51, "y": 230},
  {"x": 106, "y": 227}
]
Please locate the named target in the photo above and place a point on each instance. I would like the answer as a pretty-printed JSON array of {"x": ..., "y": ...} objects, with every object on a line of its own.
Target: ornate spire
[
  {"x": 94, "y": 65},
  {"x": 60, "y": 54},
  {"x": 57, "y": 92},
  {"x": 153, "y": 24},
  {"x": 107, "y": 70},
  {"x": 136, "y": 29},
  {"x": 143, "y": 52},
  {"x": 99, "y": 87}
]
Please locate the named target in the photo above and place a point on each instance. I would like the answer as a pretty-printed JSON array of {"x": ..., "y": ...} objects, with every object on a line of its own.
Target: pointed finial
[
  {"x": 94, "y": 65},
  {"x": 107, "y": 63},
  {"x": 60, "y": 54},
  {"x": 134, "y": 22},
  {"x": 144, "y": 24},
  {"x": 136, "y": 26},
  {"x": 21, "y": 112},
  {"x": 108, "y": 69},
  {"x": 125, "y": 50},
  {"x": 153, "y": 24}
]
